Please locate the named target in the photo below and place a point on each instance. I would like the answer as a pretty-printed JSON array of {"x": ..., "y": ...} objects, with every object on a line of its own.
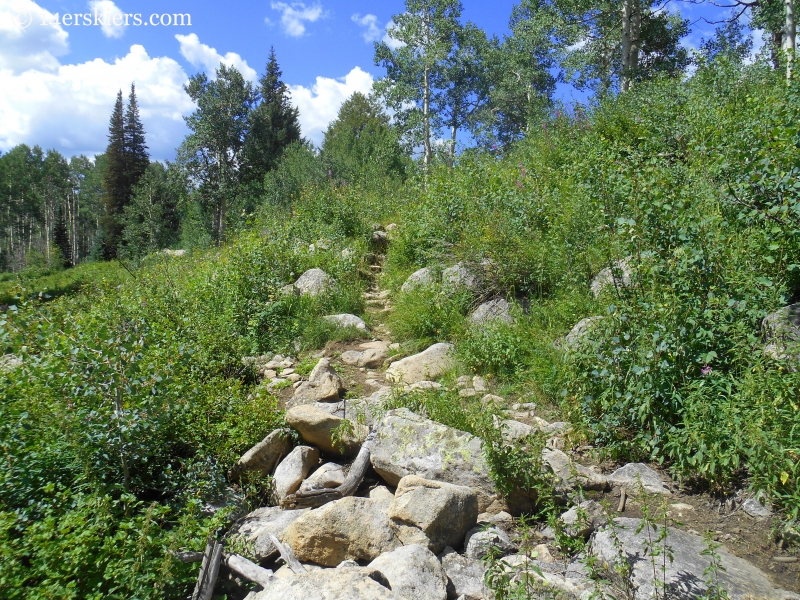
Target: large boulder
[
  {"x": 330, "y": 475},
  {"x": 323, "y": 385},
  {"x": 316, "y": 427},
  {"x": 327, "y": 584},
  {"x": 432, "y": 513},
  {"x": 254, "y": 529},
  {"x": 459, "y": 277},
  {"x": 413, "y": 573},
  {"x": 350, "y": 528},
  {"x": 346, "y": 320},
  {"x": 421, "y": 278},
  {"x": 407, "y": 444},
  {"x": 684, "y": 574},
  {"x": 781, "y": 331},
  {"x": 492, "y": 312},
  {"x": 313, "y": 282},
  {"x": 429, "y": 364},
  {"x": 632, "y": 474},
  {"x": 580, "y": 334},
  {"x": 264, "y": 456},
  {"x": 293, "y": 469},
  {"x": 582, "y": 520},
  {"x": 481, "y": 539},
  {"x": 465, "y": 576},
  {"x": 9, "y": 362},
  {"x": 618, "y": 275}
]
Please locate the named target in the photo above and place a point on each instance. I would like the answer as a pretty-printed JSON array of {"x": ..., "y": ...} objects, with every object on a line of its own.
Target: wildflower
[{"x": 706, "y": 371}]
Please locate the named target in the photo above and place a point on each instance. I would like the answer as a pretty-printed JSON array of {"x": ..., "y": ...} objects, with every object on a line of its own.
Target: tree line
[{"x": 445, "y": 78}]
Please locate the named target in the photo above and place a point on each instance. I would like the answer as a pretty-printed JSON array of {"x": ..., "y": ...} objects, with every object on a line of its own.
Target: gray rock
[
  {"x": 9, "y": 362},
  {"x": 479, "y": 384},
  {"x": 254, "y": 529},
  {"x": 479, "y": 540},
  {"x": 580, "y": 334},
  {"x": 421, "y": 278},
  {"x": 685, "y": 574},
  {"x": 629, "y": 476},
  {"x": 465, "y": 576},
  {"x": 432, "y": 513},
  {"x": 314, "y": 282},
  {"x": 323, "y": 385},
  {"x": 459, "y": 277},
  {"x": 407, "y": 444},
  {"x": 413, "y": 573},
  {"x": 346, "y": 320},
  {"x": 330, "y": 475},
  {"x": 570, "y": 474},
  {"x": 493, "y": 311},
  {"x": 464, "y": 381},
  {"x": 328, "y": 584},
  {"x": 513, "y": 431},
  {"x": 619, "y": 275},
  {"x": 580, "y": 522},
  {"x": 380, "y": 239},
  {"x": 551, "y": 578},
  {"x": 316, "y": 427},
  {"x": 350, "y": 528},
  {"x": 351, "y": 357},
  {"x": 426, "y": 365},
  {"x": 754, "y": 508},
  {"x": 293, "y": 469},
  {"x": 781, "y": 331},
  {"x": 264, "y": 456},
  {"x": 372, "y": 358}
]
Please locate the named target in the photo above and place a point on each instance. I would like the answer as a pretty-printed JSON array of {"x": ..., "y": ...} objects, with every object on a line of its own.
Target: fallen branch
[
  {"x": 623, "y": 496},
  {"x": 248, "y": 569},
  {"x": 209, "y": 571},
  {"x": 317, "y": 498},
  {"x": 189, "y": 557},
  {"x": 287, "y": 555}
]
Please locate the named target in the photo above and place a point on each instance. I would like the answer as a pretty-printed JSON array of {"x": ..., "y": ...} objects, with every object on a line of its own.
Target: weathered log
[
  {"x": 189, "y": 557},
  {"x": 317, "y": 498},
  {"x": 209, "y": 571},
  {"x": 287, "y": 555},
  {"x": 248, "y": 569}
]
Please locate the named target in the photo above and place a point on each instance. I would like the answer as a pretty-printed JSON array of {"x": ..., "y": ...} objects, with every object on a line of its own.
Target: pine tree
[
  {"x": 274, "y": 123},
  {"x": 115, "y": 183},
  {"x": 137, "y": 157}
]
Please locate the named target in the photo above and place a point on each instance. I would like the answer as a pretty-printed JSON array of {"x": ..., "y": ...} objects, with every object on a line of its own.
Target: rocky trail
[{"x": 388, "y": 504}]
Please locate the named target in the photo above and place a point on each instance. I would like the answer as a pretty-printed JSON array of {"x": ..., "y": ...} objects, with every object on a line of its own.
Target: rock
[
  {"x": 619, "y": 275},
  {"x": 174, "y": 253},
  {"x": 287, "y": 290},
  {"x": 264, "y": 456},
  {"x": 492, "y": 312},
  {"x": 580, "y": 522},
  {"x": 513, "y": 431},
  {"x": 293, "y": 377},
  {"x": 413, "y": 573},
  {"x": 346, "y": 320},
  {"x": 380, "y": 239},
  {"x": 285, "y": 572},
  {"x": 685, "y": 573},
  {"x": 468, "y": 393},
  {"x": 629, "y": 475},
  {"x": 350, "y": 528},
  {"x": 542, "y": 552},
  {"x": 328, "y": 584},
  {"x": 425, "y": 385},
  {"x": 754, "y": 508},
  {"x": 323, "y": 385},
  {"x": 558, "y": 582},
  {"x": 465, "y": 576},
  {"x": 351, "y": 357},
  {"x": 459, "y": 277},
  {"x": 501, "y": 519},
  {"x": 429, "y": 364},
  {"x": 421, "y": 278},
  {"x": 316, "y": 427},
  {"x": 313, "y": 282},
  {"x": 372, "y": 358},
  {"x": 330, "y": 475},
  {"x": 479, "y": 540},
  {"x": 254, "y": 529},
  {"x": 407, "y": 444},
  {"x": 375, "y": 345},
  {"x": 570, "y": 474},
  {"x": 381, "y": 493},
  {"x": 464, "y": 381},
  {"x": 479, "y": 384},
  {"x": 579, "y": 334},
  {"x": 293, "y": 469},
  {"x": 781, "y": 332},
  {"x": 492, "y": 399},
  {"x": 432, "y": 513},
  {"x": 9, "y": 362}
]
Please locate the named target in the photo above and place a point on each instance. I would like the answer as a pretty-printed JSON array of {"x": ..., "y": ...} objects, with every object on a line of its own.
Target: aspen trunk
[
  {"x": 625, "y": 44},
  {"x": 789, "y": 34}
]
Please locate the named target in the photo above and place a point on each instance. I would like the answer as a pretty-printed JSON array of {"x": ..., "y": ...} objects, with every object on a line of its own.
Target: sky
[{"x": 63, "y": 61}]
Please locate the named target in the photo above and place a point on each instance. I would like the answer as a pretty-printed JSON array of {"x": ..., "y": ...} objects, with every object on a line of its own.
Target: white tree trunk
[
  {"x": 789, "y": 34},
  {"x": 625, "y": 44},
  {"x": 426, "y": 117}
]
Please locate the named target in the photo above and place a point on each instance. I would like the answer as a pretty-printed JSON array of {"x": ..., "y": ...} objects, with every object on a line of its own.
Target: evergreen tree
[
  {"x": 115, "y": 182},
  {"x": 137, "y": 157},
  {"x": 274, "y": 123}
]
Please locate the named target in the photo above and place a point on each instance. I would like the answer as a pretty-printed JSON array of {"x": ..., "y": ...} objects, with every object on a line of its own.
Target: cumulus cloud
[
  {"x": 111, "y": 17},
  {"x": 372, "y": 32},
  {"x": 320, "y": 103},
  {"x": 293, "y": 15},
  {"x": 68, "y": 108},
  {"x": 207, "y": 58},
  {"x": 393, "y": 43},
  {"x": 29, "y": 37}
]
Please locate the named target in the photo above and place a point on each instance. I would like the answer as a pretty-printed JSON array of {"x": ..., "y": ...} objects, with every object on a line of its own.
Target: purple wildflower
[{"x": 706, "y": 371}]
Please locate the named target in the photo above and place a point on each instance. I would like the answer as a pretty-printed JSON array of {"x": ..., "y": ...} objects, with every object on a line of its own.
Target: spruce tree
[
  {"x": 115, "y": 183},
  {"x": 274, "y": 123},
  {"x": 137, "y": 157}
]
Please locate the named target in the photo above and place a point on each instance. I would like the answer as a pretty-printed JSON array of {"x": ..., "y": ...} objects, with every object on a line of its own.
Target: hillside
[{"x": 662, "y": 222}]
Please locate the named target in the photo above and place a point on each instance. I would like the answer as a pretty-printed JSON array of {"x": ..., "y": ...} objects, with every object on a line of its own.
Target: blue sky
[{"x": 58, "y": 79}]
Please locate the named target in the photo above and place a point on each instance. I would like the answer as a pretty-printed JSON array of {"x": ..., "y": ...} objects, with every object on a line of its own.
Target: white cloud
[
  {"x": 293, "y": 15},
  {"x": 372, "y": 32},
  {"x": 207, "y": 58},
  {"x": 68, "y": 108},
  {"x": 111, "y": 17},
  {"x": 29, "y": 37},
  {"x": 320, "y": 103},
  {"x": 393, "y": 43}
]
